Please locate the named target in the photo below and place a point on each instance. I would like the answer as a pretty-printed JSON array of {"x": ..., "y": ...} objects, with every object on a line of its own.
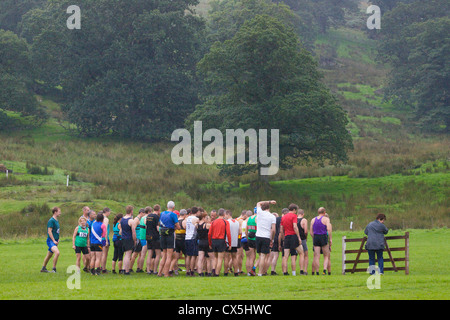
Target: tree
[
  {"x": 11, "y": 12},
  {"x": 129, "y": 71},
  {"x": 387, "y": 5},
  {"x": 326, "y": 13},
  {"x": 415, "y": 42},
  {"x": 263, "y": 78},
  {"x": 15, "y": 79},
  {"x": 227, "y": 16}
]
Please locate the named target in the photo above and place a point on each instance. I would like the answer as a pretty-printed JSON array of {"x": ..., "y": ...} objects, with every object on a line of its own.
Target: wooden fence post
[
  {"x": 361, "y": 248},
  {"x": 344, "y": 247},
  {"x": 390, "y": 255},
  {"x": 407, "y": 253},
  {"x": 388, "y": 249}
]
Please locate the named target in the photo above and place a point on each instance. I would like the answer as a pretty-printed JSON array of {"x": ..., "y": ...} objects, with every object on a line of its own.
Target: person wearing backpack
[
  {"x": 168, "y": 223},
  {"x": 153, "y": 240}
]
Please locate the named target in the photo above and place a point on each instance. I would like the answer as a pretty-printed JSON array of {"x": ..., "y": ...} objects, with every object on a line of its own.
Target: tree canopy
[
  {"x": 16, "y": 79},
  {"x": 263, "y": 78},
  {"x": 129, "y": 70},
  {"x": 415, "y": 42}
]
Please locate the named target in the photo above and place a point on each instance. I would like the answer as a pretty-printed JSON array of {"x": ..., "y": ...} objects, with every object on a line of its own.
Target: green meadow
[
  {"x": 428, "y": 279},
  {"x": 394, "y": 169}
]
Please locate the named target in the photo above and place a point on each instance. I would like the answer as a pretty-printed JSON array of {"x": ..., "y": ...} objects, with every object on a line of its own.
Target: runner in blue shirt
[{"x": 168, "y": 223}]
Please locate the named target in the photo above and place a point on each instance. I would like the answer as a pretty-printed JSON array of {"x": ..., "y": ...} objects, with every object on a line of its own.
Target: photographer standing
[{"x": 375, "y": 232}]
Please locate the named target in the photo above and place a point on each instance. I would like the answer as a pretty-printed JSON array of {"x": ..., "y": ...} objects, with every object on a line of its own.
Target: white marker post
[
  {"x": 67, "y": 181},
  {"x": 351, "y": 225},
  {"x": 7, "y": 173}
]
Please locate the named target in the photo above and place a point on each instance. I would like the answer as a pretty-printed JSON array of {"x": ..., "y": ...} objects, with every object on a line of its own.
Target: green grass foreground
[{"x": 429, "y": 277}]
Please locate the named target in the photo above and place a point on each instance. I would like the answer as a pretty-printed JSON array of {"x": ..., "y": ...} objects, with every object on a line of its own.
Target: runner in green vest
[
  {"x": 80, "y": 240},
  {"x": 143, "y": 237},
  {"x": 141, "y": 244},
  {"x": 251, "y": 236}
]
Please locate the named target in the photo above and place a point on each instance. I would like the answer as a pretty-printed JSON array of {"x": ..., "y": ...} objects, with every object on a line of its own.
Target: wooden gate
[{"x": 354, "y": 262}]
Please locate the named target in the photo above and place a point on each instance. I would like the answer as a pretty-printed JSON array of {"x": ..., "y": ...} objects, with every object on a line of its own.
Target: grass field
[
  {"x": 429, "y": 277},
  {"x": 393, "y": 169}
]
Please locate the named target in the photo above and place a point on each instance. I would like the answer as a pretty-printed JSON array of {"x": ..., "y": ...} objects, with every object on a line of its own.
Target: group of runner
[{"x": 155, "y": 241}]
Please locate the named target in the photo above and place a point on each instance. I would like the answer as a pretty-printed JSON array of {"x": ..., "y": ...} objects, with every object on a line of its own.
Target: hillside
[{"x": 393, "y": 168}]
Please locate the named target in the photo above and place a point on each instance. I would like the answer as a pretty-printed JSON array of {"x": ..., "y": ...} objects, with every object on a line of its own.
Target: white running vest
[
  {"x": 191, "y": 230},
  {"x": 234, "y": 229}
]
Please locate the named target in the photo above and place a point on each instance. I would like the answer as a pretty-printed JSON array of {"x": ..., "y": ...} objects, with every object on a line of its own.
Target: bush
[{"x": 33, "y": 169}]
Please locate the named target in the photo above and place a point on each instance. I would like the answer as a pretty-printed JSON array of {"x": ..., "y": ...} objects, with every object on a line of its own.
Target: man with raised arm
[{"x": 265, "y": 232}]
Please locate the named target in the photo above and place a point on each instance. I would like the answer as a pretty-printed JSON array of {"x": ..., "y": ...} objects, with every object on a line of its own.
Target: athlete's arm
[
  {"x": 133, "y": 229},
  {"x": 296, "y": 230},
  {"x": 228, "y": 233},
  {"x": 103, "y": 230},
  {"x": 329, "y": 230},
  {"x": 272, "y": 233},
  {"x": 280, "y": 236},
  {"x": 73, "y": 237},
  {"x": 240, "y": 229},
  {"x": 106, "y": 223},
  {"x": 50, "y": 234},
  {"x": 304, "y": 225},
  {"x": 269, "y": 201}
]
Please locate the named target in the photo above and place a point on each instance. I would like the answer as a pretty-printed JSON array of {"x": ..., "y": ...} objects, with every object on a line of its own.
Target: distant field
[
  {"x": 417, "y": 200},
  {"x": 429, "y": 277}
]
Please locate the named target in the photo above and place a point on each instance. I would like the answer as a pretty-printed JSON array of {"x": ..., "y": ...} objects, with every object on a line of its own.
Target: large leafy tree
[
  {"x": 263, "y": 78},
  {"x": 325, "y": 13},
  {"x": 11, "y": 12},
  {"x": 387, "y": 5},
  {"x": 227, "y": 16},
  {"x": 129, "y": 70},
  {"x": 415, "y": 42},
  {"x": 15, "y": 79}
]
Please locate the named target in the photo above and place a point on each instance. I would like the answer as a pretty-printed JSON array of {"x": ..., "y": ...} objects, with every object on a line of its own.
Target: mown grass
[{"x": 429, "y": 277}]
